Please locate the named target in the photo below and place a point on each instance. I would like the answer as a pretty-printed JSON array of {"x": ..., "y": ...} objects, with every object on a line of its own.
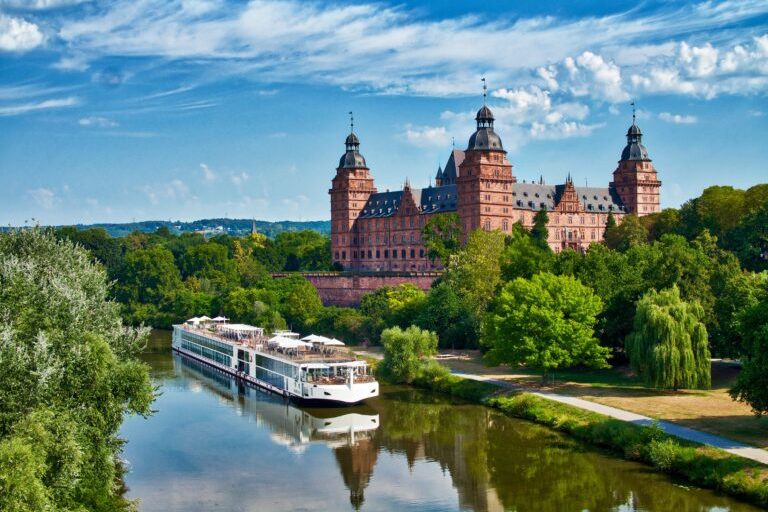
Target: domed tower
[
  {"x": 349, "y": 192},
  {"x": 485, "y": 180},
  {"x": 635, "y": 178}
]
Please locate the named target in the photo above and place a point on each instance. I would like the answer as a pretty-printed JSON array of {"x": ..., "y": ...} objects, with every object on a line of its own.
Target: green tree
[
  {"x": 749, "y": 239},
  {"x": 627, "y": 234},
  {"x": 445, "y": 313},
  {"x": 668, "y": 347},
  {"x": 523, "y": 256},
  {"x": 70, "y": 374},
  {"x": 406, "y": 352},
  {"x": 667, "y": 221},
  {"x": 718, "y": 209},
  {"x": 392, "y": 305},
  {"x": 539, "y": 230},
  {"x": 752, "y": 384},
  {"x": 441, "y": 236},
  {"x": 546, "y": 323},
  {"x": 147, "y": 284},
  {"x": 475, "y": 271}
]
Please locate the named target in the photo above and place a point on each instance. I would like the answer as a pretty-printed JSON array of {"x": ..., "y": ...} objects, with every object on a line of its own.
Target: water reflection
[{"x": 218, "y": 445}]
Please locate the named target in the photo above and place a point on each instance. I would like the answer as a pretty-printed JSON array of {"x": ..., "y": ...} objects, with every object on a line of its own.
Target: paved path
[{"x": 740, "y": 449}]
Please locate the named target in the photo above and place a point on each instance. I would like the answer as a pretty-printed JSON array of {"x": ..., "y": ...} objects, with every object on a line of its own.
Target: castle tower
[
  {"x": 485, "y": 180},
  {"x": 635, "y": 177},
  {"x": 349, "y": 192}
]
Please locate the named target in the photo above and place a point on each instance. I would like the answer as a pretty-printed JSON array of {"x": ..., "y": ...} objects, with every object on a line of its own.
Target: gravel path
[{"x": 736, "y": 448}]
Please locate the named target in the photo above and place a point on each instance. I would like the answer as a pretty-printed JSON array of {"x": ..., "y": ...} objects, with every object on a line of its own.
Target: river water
[{"x": 216, "y": 445}]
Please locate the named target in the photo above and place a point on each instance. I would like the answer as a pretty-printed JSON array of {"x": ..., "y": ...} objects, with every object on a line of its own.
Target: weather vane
[
  {"x": 351, "y": 122},
  {"x": 453, "y": 142},
  {"x": 485, "y": 89},
  {"x": 633, "y": 111}
]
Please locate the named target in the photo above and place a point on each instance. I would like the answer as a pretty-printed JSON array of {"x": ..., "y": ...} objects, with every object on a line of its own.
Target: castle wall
[{"x": 346, "y": 288}]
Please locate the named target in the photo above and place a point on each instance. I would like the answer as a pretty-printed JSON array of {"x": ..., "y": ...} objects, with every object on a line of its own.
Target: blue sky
[{"x": 183, "y": 109}]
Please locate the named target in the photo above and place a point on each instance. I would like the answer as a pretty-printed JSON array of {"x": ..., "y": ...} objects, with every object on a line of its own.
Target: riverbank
[{"x": 697, "y": 464}]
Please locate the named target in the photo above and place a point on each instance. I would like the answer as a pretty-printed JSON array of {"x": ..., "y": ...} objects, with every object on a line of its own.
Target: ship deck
[{"x": 318, "y": 355}]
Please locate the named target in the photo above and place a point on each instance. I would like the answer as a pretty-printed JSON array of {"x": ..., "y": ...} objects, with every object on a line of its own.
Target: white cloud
[
  {"x": 44, "y": 197},
  {"x": 23, "y": 108},
  {"x": 18, "y": 35},
  {"x": 426, "y": 136},
  {"x": 208, "y": 174},
  {"x": 174, "y": 190},
  {"x": 71, "y": 63},
  {"x": 677, "y": 118},
  {"x": 239, "y": 179},
  {"x": 706, "y": 71},
  {"x": 97, "y": 122},
  {"x": 293, "y": 41},
  {"x": 589, "y": 74},
  {"x": 40, "y": 4}
]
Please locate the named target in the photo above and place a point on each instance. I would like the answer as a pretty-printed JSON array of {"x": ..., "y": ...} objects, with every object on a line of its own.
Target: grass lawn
[{"x": 710, "y": 411}]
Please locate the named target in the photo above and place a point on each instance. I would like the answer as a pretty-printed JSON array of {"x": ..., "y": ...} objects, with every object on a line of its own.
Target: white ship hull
[{"x": 316, "y": 393}]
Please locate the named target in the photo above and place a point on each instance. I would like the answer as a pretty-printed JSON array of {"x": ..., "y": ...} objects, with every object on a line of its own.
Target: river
[{"x": 216, "y": 445}]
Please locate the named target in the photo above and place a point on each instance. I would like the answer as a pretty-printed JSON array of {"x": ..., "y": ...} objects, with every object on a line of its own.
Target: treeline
[{"x": 161, "y": 278}]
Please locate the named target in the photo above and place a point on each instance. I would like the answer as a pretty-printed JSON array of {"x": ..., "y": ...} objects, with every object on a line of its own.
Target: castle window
[
  {"x": 354, "y": 255},
  {"x": 594, "y": 235},
  {"x": 413, "y": 253},
  {"x": 343, "y": 255},
  {"x": 402, "y": 253},
  {"x": 362, "y": 255},
  {"x": 421, "y": 253},
  {"x": 369, "y": 254},
  {"x": 487, "y": 225},
  {"x": 336, "y": 255},
  {"x": 386, "y": 253},
  {"x": 413, "y": 237},
  {"x": 505, "y": 225},
  {"x": 378, "y": 254},
  {"x": 593, "y": 217}
]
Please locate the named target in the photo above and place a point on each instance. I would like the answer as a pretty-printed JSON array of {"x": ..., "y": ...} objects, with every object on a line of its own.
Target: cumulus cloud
[
  {"x": 707, "y": 72},
  {"x": 18, "y": 35},
  {"x": 677, "y": 118},
  {"x": 43, "y": 197},
  {"x": 97, "y": 122},
  {"x": 209, "y": 175},
  {"x": 588, "y": 74},
  {"x": 23, "y": 108},
  {"x": 426, "y": 136}
]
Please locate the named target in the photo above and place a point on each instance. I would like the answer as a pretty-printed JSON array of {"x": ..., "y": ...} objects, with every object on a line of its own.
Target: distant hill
[{"x": 212, "y": 227}]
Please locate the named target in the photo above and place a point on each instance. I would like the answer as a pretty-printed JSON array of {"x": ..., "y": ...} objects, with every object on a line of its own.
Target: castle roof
[
  {"x": 352, "y": 159},
  {"x": 634, "y": 150},
  {"x": 535, "y": 196},
  {"x": 428, "y": 200},
  {"x": 451, "y": 171}
]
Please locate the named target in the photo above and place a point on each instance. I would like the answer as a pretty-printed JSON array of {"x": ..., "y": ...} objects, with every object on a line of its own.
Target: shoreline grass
[{"x": 700, "y": 465}]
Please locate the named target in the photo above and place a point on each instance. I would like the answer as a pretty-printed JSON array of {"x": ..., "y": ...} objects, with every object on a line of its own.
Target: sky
[{"x": 122, "y": 110}]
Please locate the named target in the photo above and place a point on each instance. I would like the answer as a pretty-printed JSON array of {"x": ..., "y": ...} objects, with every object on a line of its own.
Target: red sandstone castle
[{"x": 373, "y": 230}]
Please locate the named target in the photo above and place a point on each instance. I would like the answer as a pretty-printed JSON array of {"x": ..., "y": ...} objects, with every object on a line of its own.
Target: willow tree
[{"x": 668, "y": 347}]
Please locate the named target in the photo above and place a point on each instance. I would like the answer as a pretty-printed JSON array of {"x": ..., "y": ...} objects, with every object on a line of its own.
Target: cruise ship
[{"x": 314, "y": 370}]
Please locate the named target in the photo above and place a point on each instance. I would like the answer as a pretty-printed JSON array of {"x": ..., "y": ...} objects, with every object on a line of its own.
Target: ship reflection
[{"x": 348, "y": 431}]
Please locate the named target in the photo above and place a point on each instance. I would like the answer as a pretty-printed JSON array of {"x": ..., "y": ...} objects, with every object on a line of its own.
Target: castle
[{"x": 381, "y": 231}]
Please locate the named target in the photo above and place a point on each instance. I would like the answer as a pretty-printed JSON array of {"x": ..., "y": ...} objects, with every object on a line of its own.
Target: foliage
[
  {"x": 406, "y": 352},
  {"x": 667, "y": 221},
  {"x": 749, "y": 239},
  {"x": 539, "y": 231},
  {"x": 445, "y": 313},
  {"x": 475, "y": 272},
  {"x": 392, "y": 306},
  {"x": 752, "y": 384},
  {"x": 626, "y": 235},
  {"x": 441, "y": 236},
  {"x": 545, "y": 322},
  {"x": 524, "y": 255},
  {"x": 668, "y": 346},
  {"x": 69, "y": 373}
]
